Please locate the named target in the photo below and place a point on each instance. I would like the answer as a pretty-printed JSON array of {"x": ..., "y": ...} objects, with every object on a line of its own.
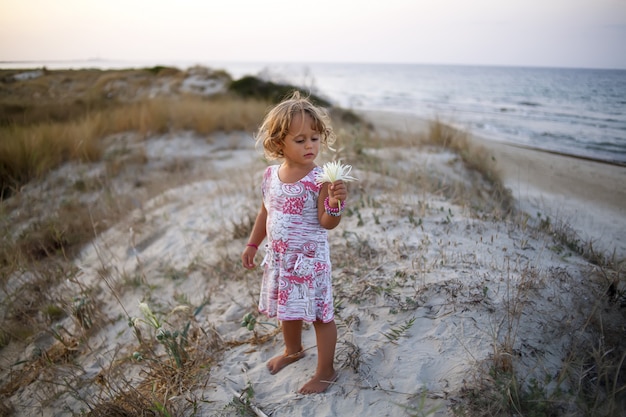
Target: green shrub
[{"x": 253, "y": 87}]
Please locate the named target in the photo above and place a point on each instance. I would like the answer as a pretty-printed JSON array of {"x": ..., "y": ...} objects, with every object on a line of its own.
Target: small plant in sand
[
  {"x": 420, "y": 406},
  {"x": 174, "y": 342},
  {"x": 397, "y": 332},
  {"x": 249, "y": 321},
  {"x": 83, "y": 310},
  {"x": 242, "y": 403}
]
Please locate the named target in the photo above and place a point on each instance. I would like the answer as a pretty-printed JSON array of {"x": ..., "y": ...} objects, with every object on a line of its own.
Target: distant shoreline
[
  {"x": 403, "y": 117},
  {"x": 564, "y": 154}
]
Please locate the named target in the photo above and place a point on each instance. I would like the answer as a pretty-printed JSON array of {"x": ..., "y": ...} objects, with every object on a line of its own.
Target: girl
[{"x": 295, "y": 215}]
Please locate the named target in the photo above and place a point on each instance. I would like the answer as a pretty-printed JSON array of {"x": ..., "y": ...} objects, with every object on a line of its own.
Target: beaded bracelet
[{"x": 333, "y": 211}]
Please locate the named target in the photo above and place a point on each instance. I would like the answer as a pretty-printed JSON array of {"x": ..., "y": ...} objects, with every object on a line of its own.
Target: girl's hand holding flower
[
  {"x": 337, "y": 192},
  {"x": 336, "y": 174}
]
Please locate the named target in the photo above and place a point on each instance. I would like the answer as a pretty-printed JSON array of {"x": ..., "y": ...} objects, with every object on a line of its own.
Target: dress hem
[{"x": 298, "y": 319}]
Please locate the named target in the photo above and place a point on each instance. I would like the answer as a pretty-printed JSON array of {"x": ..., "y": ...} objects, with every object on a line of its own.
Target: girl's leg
[
  {"x": 292, "y": 334},
  {"x": 325, "y": 375}
]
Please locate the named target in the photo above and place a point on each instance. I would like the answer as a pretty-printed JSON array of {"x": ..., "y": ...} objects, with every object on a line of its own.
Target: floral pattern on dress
[{"x": 296, "y": 270}]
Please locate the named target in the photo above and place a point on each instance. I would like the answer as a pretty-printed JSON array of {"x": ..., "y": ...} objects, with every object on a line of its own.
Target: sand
[
  {"x": 588, "y": 195},
  {"x": 428, "y": 294}
]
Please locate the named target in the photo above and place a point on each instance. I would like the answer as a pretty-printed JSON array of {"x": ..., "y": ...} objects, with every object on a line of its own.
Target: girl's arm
[
  {"x": 256, "y": 238},
  {"x": 335, "y": 192}
]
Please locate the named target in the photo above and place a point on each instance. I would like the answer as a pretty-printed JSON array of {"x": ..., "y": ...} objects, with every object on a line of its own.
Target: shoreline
[
  {"x": 558, "y": 153},
  {"x": 586, "y": 194}
]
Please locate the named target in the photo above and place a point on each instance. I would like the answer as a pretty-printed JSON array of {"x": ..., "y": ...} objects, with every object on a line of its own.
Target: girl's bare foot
[
  {"x": 279, "y": 362},
  {"x": 319, "y": 384}
]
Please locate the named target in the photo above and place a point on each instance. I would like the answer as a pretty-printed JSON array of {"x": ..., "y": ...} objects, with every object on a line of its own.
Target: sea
[{"x": 576, "y": 112}]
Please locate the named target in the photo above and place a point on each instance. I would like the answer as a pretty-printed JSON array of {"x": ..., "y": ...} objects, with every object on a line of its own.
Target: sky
[{"x": 545, "y": 33}]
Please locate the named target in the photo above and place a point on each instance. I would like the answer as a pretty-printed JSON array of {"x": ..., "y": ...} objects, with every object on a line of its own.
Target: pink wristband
[
  {"x": 333, "y": 211},
  {"x": 252, "y": 245}
]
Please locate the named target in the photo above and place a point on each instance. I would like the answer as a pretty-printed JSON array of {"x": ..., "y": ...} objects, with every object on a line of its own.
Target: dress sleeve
[
  {"x": 267, "y": 175},
  {"x": 316, "y": 171}
]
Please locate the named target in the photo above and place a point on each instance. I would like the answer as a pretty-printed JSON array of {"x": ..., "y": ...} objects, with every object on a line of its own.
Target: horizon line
[{"x": 157, "y": 62}]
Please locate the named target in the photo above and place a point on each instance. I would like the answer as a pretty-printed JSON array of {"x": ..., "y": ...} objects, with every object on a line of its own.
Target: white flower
[
  {"x": 149, "y": 316},
  {"x": 334, "y": 171},
  {"x": 145, "y": 309}
]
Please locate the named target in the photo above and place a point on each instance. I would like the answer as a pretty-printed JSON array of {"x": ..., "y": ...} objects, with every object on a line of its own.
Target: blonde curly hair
[{"x": 276, "y": 124}]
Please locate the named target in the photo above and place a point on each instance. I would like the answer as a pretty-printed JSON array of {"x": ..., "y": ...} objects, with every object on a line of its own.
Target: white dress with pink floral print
[{"x": 297, "y": 271}]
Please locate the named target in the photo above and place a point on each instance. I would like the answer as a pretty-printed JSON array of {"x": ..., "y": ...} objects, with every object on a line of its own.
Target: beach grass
[
  {"x": 30, "y": 152},
  {"x": 43, "y": 234}
]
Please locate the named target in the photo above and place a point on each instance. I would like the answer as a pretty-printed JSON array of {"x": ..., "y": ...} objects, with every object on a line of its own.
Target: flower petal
[{"x": 333, "y": 171}]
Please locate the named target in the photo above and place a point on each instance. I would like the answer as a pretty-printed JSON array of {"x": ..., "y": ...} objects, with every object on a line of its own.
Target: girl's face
[{"x": 302, "y": 143}]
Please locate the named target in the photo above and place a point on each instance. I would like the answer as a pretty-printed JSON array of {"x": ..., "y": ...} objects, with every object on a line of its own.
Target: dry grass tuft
[
  {"x": 162, "y": 382},
  {"x": 475, "y": 159},
  {"x": 30, "y": 152}
]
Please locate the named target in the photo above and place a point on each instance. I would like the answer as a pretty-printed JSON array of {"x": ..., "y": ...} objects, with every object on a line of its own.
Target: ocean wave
[{"x": 529, "y": 103}]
